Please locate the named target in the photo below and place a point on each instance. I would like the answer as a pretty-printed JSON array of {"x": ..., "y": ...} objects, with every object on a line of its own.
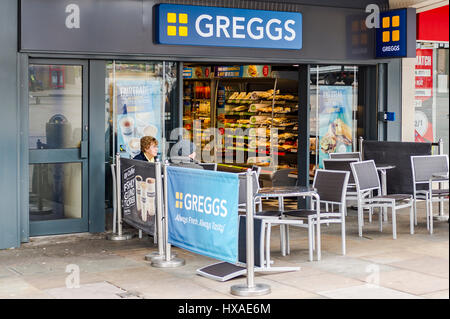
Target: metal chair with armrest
[
  {"x": 346, "y": 155},
  {"x": 331, "y": 187},
  {"x": 367, "y": 181},
  {"x": 423, "y": 169}
]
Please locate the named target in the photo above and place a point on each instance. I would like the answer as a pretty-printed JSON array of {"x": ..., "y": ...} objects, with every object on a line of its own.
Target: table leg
[
  {"x": 282, "y": 228},
  {"x": 430, "y": 209},
  {"x": 384, "y": 191}
]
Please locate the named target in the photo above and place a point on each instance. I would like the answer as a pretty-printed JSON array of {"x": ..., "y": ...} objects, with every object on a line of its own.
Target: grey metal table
[{"x": 281, "y": 192}]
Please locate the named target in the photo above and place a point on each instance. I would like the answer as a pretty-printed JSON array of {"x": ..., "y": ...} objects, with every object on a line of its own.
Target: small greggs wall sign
[
  {"x": 215, "y": 26},
  {"x": 396, "y": 36}
]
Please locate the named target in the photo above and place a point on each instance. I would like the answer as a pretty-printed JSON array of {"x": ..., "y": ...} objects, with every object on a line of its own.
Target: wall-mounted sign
[
  {"x": 396, "y": 36},
  {"x": 229, "y": 27}
]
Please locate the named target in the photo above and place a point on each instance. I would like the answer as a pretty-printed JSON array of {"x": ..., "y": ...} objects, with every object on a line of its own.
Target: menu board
[{"x": 138, "y": 113}]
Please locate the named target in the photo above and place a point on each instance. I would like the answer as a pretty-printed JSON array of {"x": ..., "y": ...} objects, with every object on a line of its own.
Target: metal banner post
[
  {"x": 119, "y": 235},
  {"x": 250, "y": 289},
  {"x": 168, "y": 262},
  {"x": 160, "y": 254}
]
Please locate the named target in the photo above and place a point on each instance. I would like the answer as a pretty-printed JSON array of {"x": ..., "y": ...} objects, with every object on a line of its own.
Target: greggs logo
[
  {"x": 392, "y": 34},
  {"x": 177, "y": 24},
  {"x": 201, "y": 204},
  {"x": 392, "y": 24},
  {"x": 217, "y": 26}
]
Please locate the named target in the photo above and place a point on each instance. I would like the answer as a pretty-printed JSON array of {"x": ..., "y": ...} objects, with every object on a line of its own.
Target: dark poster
[{"x": 138, "y": 194}]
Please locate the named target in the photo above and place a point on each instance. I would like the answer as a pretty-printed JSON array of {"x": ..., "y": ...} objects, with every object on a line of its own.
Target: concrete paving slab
[
  {"x": 443, "y": 294},
  {"x": 412, "y": 282},
  {"x": 15, "y": 287},
  {"x": 366, "y": 292},
  {"x": 101, "y": 290},
  {"x": 426, "y": 265}
]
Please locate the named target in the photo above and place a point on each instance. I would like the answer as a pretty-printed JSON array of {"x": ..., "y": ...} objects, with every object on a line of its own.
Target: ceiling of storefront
[{"x": 420, "y": 5}]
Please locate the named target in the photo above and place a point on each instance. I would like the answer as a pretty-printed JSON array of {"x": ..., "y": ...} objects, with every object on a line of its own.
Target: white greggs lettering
[
  {"x": 221, "y": 27},
  {"x": 207, "y": 205}
]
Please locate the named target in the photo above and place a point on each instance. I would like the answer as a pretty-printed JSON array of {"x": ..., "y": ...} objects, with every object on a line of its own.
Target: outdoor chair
[
  {"x": 281, "y": 178},
  {"x": 257, "y": 169},
  {"x": 423, "y": 168},
  {"x": 344, "y": 165},
  {"x": 346, "y": 155},
  {"x": 367, "y": 181},
  {"x": 243, "y": 192},
  {"x": 209, "y": 166},
  {"x": 332, "y": 187},
  {"x": 260, "y": 214}
]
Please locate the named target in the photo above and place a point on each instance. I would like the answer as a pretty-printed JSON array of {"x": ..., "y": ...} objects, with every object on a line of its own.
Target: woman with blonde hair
[{"x": 149, "y": 149}]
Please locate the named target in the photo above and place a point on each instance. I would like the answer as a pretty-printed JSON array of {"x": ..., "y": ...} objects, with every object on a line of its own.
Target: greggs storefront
[{"x": 277, "y": 85}]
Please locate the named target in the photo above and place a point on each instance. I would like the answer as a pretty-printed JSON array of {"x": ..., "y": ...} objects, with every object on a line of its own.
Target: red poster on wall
[
  {"x": 423, "y": 95},
  {"x": 424, "y": 74}
]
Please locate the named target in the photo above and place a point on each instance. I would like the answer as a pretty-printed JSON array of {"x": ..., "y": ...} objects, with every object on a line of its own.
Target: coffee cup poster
[
  {"x": 335, "y": 121},
  {"x": 138, "y": 194},
  {"x": 138, "y": 113}
]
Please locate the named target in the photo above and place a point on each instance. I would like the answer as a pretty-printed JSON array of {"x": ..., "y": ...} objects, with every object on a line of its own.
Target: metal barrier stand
[
  {"x": 250, "y": 289},
  {"x": 120, "y": 235},
  {"x": 167, "y": 261}
]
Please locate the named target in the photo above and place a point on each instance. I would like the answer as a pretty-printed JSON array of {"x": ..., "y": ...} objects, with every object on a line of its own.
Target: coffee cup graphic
[
  {"x": 127, "y": 125},
  {"x": 143, "y": 201},
  {"x": 150, "y": 130},
  {"x": 138, "y": 180},
  {"x": 150, "y": 194},
  {"x": 134, "y": 146}
]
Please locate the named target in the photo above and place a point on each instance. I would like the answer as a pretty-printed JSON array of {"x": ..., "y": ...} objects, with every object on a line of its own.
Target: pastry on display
[
  {"x": 342, "y": 131},
  {"x": 240, "y": 108},
  {"x": 328, "y": 143}
]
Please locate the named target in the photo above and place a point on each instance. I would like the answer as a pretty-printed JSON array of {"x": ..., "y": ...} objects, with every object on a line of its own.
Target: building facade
[{"x": 76, "y": 75}]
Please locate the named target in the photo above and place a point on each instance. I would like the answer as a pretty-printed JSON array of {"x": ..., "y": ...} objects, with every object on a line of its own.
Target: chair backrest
[
  {"x": 347, "y": 155},
  {"x": 281, "y": 178},
  {"x": 366, "y": 175},
  {"x": 257, "y": 169},
  {"x": 341, "y": 165},
  {"x": 243, "y": 186},
  {"x": 209, "y": 166},
  {"x": 423, "y": 167},
  {"x": 331, "y": 185}
]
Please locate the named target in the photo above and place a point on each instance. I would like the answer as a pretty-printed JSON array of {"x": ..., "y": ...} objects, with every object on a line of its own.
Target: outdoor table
[
  {"x": 382, "y": 168},
  {"x": 281, "y": 192}
]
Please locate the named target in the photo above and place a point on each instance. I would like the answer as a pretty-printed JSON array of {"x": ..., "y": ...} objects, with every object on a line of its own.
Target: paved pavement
[{"x": 376, "y": 266}]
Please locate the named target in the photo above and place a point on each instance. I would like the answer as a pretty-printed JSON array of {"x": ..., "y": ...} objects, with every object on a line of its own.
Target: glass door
[{"x": 58, "y": 146}]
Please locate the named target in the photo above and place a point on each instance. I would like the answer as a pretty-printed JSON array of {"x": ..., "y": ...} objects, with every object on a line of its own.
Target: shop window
[
  {"x": 432, "y": 93},
  {"x": 242, "y": 115},
  {"x": 55, "y": 106},
  {"x": 140, "y": 99}
]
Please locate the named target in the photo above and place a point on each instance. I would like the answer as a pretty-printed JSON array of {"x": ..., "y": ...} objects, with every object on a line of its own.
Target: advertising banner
[
  {"x": 335, "y": 120},
  {"x": 423, "y": 98},
  {"x": 138, "y": 113},
  {"x": 138, "y": 194},
  {"x": 203, "y": 212},
  {"x": 424, "y": 75}
]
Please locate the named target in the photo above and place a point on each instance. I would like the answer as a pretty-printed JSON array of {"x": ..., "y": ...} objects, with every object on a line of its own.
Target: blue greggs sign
[
  {"x": 215, "y": 26},
  {"x": 396, "y": 36}
]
